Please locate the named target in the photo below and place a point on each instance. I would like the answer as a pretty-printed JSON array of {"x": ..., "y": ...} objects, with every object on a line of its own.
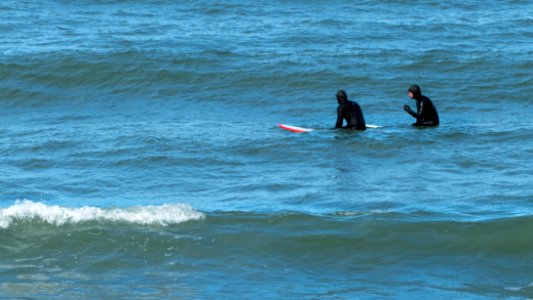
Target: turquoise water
[{"x": 141, "y": 158}]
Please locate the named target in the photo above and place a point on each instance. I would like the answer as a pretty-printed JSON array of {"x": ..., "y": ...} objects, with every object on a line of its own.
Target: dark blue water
[{"x": 140, "y": 155}]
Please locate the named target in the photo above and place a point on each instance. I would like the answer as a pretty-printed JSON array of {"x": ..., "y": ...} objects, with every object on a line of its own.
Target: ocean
[{"x": 140, "y": 156}]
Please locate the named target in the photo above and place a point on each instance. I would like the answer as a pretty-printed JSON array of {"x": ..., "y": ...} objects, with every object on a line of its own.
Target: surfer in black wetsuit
[
  {"x": 426, "y": 113},
  {"x": 349, "y": 111}
]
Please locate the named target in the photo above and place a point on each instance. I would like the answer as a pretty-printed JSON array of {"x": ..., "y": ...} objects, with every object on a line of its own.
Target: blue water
[{"x": 140, "y": 155}]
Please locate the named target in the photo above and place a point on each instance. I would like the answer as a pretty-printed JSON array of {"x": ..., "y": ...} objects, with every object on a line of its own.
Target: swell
[
  {"x": 391, "y": 232},
  {"x": 75, "y": 77},
  {"x": 349, "y": 251},
  {"x": 284, "y": 234},
  {"x": 81, "y": 76}
]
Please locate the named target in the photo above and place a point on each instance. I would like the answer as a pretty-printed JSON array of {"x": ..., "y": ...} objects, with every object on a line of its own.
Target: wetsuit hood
[
  {"x": 341, "y": 96},
  {"x": 417, "y": 92}
]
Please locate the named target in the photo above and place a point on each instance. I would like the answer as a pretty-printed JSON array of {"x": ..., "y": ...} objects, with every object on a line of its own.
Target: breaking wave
[{"x": 162, "y": 215}]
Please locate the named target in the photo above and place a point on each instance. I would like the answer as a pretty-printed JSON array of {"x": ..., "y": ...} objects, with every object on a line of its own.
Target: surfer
[
  {"x": 349, "y": 111},
  {"x": 426, "y": 113}
]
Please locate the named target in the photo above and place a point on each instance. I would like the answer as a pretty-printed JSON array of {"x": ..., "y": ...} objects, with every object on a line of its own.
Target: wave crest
[{"x": 163, "y": 215}]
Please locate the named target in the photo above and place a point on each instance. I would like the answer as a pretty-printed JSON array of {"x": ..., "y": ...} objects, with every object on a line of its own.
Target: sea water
[{"x": 140, "y": 157}]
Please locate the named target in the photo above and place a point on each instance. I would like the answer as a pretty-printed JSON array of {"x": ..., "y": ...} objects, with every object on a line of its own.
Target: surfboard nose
[{"x": 294, "y": 128}]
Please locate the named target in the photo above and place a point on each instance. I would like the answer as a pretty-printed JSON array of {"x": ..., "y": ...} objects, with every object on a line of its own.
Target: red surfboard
[
  {"x": 294, "y": 128},
  {"x": 305, "y": 130}
]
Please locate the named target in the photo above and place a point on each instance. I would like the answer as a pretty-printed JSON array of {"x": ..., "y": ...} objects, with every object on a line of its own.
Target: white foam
[{"x": 57, "y": 215}]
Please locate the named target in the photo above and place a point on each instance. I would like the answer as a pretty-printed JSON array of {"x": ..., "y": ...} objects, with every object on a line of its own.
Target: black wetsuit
[
  {"x": 352, "y": 113},
  {"x": 426, "y": 113}
]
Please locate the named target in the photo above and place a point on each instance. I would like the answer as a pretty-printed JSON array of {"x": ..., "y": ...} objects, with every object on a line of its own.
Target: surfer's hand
[{"x": 407, "y": 108}]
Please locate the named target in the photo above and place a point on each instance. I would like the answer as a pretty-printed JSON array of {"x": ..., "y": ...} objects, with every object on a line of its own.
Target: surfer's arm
[
  {"x": 409, "y": 111},
  {"x": 338, "y": 124},
  {"x": 420, "y": 112}
]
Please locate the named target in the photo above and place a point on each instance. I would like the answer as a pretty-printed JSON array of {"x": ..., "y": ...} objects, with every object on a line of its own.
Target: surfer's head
[
  {"x": 341, "y": 96},
  {"x": 414, "y": 92}
]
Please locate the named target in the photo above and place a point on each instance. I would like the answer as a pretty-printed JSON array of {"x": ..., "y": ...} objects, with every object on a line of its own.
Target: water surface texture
[{"x": 140, "y": 157}]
